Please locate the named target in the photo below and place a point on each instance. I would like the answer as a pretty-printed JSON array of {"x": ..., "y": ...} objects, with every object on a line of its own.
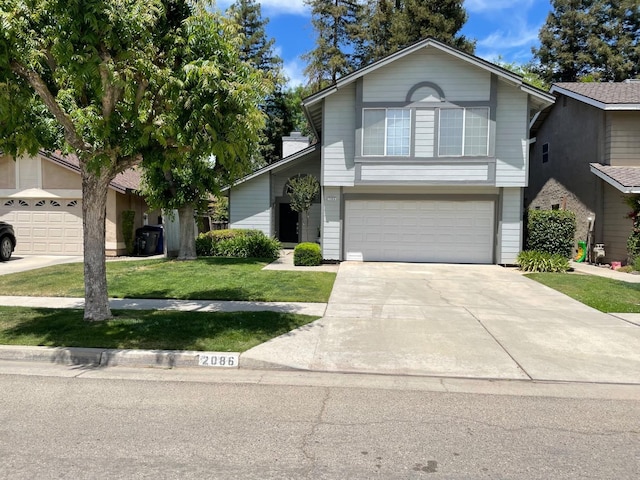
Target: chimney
[{"x": 293, "y": 144}]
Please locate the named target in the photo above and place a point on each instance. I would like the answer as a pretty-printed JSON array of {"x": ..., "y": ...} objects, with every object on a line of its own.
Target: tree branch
[{"x": 40, "y": 87}]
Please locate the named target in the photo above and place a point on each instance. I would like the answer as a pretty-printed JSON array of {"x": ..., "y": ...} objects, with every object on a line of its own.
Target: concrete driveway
[
  {"x": 22, "y": 263},
  {"x": 474, "y": 321}
]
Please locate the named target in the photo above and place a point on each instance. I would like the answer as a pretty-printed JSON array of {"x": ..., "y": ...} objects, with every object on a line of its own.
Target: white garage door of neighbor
[
  {"x": 45, "y": 226},
  {"x": 419, "y": 231}
]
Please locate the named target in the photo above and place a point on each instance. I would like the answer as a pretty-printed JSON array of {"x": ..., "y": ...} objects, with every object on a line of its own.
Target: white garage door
[
  {"x": 45, "y": 226},
  {"x": 419, "y": 231}
]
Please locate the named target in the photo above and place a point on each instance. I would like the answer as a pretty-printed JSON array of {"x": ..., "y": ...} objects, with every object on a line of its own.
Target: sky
[{"x": 505, "y": 29}]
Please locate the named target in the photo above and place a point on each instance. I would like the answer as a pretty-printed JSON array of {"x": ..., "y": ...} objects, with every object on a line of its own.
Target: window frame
[
  {"x": 464, "y": 132},
  {"x": 385, "y": 145}
]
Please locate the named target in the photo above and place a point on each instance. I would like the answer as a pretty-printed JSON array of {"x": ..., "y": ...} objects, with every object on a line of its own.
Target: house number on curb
[{"x": 219, "y": 359}]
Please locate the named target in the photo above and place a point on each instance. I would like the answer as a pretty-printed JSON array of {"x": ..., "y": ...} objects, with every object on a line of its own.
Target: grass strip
[{"x": 135, "y": 329}]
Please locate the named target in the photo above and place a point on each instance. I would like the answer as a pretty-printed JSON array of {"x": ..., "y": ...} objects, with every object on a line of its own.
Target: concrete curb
[{"x": 101, "y": 357}]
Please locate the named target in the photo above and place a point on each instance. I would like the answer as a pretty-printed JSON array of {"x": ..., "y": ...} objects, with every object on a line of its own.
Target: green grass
[
  {"x": 606, "y": 295},
  {"x": 222, "y": 332},
  {"x": 201, "y": 279}
]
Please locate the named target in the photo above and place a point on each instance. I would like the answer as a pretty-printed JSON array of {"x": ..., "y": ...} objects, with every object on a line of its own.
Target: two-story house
[
  {"x": 422, "y": 156},
  {"x": 586, "y": 158}
]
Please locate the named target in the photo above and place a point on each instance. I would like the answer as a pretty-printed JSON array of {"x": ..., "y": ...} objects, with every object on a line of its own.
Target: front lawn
[
  {"x": 201, "y": 279},
  {"x": 604, "y": 294},
  {"x": 220, "y": 332}
]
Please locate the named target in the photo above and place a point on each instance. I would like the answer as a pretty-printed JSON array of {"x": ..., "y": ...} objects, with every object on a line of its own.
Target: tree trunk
[
  {"x": 94, "y": 212},
  {"x": 186, "y": 217}
]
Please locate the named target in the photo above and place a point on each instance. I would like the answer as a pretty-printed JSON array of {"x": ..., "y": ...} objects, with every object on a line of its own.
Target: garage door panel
[
  {"x": 420, "y": 231},
  {"x": 47, "y": 227}
]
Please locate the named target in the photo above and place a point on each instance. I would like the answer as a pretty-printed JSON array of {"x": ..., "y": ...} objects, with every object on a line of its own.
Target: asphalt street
[{"x": 64, "y": 422}]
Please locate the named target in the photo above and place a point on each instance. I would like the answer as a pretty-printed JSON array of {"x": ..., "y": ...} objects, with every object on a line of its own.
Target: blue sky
[{"x": 502, "y": 28}]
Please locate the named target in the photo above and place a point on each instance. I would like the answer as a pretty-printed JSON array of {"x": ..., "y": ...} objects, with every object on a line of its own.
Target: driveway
[
  {"x": 22, "y": 263},
  {"x": 473, "y": 321}
]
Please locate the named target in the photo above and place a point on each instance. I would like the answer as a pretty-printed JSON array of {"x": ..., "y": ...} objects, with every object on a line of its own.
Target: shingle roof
[
  {"x": 627, "y": 177},
  {"x": 607, "y": 93},
  {"x": 127, "y": 180}
]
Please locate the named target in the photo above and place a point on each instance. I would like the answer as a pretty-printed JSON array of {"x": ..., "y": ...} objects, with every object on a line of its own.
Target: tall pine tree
[
  {"x": 258, "y": 50},
  {"x": 590, "y": 40},
  {"x": 352, "y": 34}
]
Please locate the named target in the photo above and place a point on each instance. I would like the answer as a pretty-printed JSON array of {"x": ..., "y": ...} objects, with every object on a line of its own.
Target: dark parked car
[{"x": 7, "y": 241}]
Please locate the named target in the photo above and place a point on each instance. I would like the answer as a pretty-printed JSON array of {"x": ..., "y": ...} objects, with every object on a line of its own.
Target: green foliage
[
  {"x": 237, "y": 243},
  {"x": 594, "y": 39},
  {"x": 302, "y": 191},
  {"x": 528, "y": 72},
  {"x": 633, "y": 242},
  {"x": 219, "y": 209},
  {"x": 532, "y": 261},
  {"x": 551, "y": 231},
  {"x": 307, "y": 254},
  {"x": 128, "y": 217},
  {"x": 636, "y": 264},
  {"x": 352, "y": 34}
]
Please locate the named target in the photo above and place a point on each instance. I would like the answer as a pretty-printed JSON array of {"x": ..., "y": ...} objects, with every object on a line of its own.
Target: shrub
[
  {"x": 551, "y": 231},
  {"x": 307, "y": 254},
  {"x": 532, "y": 261},
  {"x": 238, "y": 243},
  {"x": 636, "y": 264}
]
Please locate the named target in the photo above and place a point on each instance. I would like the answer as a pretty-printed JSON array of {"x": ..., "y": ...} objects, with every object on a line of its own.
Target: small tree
[
  {"x": 302, "y": 190},
  {"x": 633, "y": 242}
]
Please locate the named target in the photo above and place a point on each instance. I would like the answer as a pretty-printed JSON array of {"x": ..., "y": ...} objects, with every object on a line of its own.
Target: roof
[
  {"x": 313, "y": 103},
  {"x": 125, "y": 181},
  {"x": 606, "y": 96},
  {"x": 625, "y": 179},
  {"x": 275, "y": 165}
]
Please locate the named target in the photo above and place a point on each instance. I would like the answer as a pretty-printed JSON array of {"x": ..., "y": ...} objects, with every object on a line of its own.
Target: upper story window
[
  {"x": 463, "y": 132},
  {"x": 545, "y": 153},
  {"x": 386, "y": 131}
]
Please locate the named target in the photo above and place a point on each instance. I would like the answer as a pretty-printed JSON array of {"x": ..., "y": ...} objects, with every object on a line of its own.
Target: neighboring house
[
  {"x": 422, "y": 157},
  {"x": 586, "y": 158},
  {"x": 41, "y": 197}
]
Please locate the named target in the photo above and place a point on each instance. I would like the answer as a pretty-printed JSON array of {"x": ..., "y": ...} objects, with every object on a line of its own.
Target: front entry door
[{"x": 288, "y": 224}]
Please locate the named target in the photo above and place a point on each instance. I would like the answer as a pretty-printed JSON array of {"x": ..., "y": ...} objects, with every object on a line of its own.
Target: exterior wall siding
[
  {"x": 426, "y": 173},
  {"x": 617, "y": 225},
  {"x": 566, "y": 178},
  {"x": 622, "y": 142},
  {"x": 7, "y": 172},
  {"x": 250, "y": 206},
  {"x": 425, "y": 133},
  {"x": 512, "y": 137},
  {"x": 338, "y": 149},
  {"x": 459, "y": 80},
  {"x": 331, "y": 223},
  {"x": 510, "y": 226}
]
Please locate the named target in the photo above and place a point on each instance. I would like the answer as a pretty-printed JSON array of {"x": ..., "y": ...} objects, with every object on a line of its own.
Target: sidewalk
[{"x": 605, "y": 272}]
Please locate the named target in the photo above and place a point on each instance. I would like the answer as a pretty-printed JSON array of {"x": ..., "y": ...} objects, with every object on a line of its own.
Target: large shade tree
[
  {"x": 114, "y": 82},
  {"x": 590, "y": 40}
]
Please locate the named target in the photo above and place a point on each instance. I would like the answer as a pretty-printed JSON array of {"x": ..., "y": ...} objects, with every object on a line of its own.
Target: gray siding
[
  {"x": 250, "y": 206},
  {"x": 617, "y": 225},
  {"x": 511, "y": 137},
  {"x": 425, "y": 133},
  {"x": 459, "y": 80},
  {"x": 331, "y": 223},
  {"x": 622, "y": 142},
  {"x": 425, "y": 173},
  {"x": 279, "y": 178},
  {"x": 510, "y": 230},
  {"x": 338, "y": 148}
]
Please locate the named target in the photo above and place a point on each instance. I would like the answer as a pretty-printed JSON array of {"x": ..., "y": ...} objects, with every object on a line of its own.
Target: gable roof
[
  {"x": 625, "y": 179},
  {"x": 606, "y": 96},
  {"x": 125, "y": 181},
  {"x": 313, "y": 103},
  {"x": 275, "y": 165}
]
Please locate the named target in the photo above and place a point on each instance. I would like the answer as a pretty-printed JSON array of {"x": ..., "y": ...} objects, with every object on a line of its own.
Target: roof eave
[
  {"x": 595, "y": 103},
  {"x": 617, "y": 185}
]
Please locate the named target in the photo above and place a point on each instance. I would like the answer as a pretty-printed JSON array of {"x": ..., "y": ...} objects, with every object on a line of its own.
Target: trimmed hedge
[
  {"x": 307, "y": 254},
  {"x": 532, "y": 261},
  {"x": 551, "y": 231},
  {"x": 238, "y": 243}
]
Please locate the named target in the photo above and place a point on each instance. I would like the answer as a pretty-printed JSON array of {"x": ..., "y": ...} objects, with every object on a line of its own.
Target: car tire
[{"x": 6, "y": 248}]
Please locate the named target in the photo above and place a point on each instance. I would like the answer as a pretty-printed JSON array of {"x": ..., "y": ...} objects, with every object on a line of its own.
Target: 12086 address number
[{"x": 222, "y": 360}]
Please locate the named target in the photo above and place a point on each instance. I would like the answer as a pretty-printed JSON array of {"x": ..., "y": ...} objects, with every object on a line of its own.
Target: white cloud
[
  {"x": 512, "y": 43},
  {"x": 272, "y": 8},
  {"x": 294, "y": 70}
]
